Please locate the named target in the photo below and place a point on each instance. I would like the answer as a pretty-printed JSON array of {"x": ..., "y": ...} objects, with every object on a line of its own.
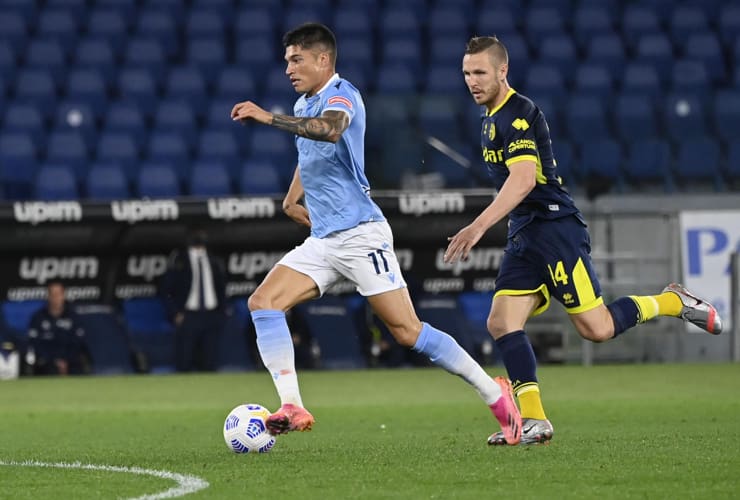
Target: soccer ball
[{"x": 245, "y": 430}]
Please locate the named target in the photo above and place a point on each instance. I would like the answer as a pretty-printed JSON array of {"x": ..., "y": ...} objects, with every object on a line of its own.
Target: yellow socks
[
  {"x": 530, "y": 403},
  {"x": 669, "y": 304},
  {"x": 650, "y": 306}
]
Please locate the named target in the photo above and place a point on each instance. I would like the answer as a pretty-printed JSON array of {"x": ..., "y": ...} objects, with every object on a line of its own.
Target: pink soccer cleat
[
  {"x": 507, "y": 413},
  {"x": 289, "y": 418}
]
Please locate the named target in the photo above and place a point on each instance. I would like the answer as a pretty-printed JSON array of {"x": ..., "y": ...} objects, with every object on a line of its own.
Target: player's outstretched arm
[
  {"x": 328, "y": 127},
  {"x": 291, "y": 203}
]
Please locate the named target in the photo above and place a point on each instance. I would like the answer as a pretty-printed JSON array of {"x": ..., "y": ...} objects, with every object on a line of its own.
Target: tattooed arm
[{"x": 328, "y": 127}]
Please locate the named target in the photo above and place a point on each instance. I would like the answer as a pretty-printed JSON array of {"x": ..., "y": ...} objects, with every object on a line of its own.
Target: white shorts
[{"x": 363, "y": 255}]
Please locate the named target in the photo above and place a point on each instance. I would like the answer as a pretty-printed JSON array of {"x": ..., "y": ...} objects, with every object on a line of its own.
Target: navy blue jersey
[{"x": 516, "y": 130}]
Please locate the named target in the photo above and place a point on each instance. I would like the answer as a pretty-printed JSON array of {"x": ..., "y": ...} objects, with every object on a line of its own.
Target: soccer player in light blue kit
[{"x": 350, "y": 238}]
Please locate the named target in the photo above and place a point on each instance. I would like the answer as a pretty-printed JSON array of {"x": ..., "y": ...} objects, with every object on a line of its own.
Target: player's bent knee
[
  {"x": 258, "y": 301},
  {"x": 597, "y": 335},
  {"x": 406, "y": 336}
]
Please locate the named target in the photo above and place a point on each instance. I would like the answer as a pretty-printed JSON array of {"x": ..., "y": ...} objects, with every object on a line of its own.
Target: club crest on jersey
[
  {"x": 520, "y": 124},
  {"x": 489, "y": 129},
  {"x": 338, "y": 99}
]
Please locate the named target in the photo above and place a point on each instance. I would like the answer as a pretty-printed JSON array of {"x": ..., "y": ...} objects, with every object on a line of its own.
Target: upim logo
[
  {"x": 254, "y": 263},
  {"x": 241, "y": 208},
  {"x": 44, "y": 269},
  {"x": 134, "y": 211},
  {"x": 146, "y": 266},
  {"x": 479, "y": 259},
  {"x": 53, "y": 211},
  {"x": 424, "y": 203}
]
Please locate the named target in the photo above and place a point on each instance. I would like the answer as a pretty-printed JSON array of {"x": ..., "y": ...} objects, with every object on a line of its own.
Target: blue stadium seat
[
  {"x": 208, "y": 55},
  {"x": 97, "y": 54},
  {"x": 151, "y": 332},
  {"x": 78, "y": 8},
  {"x": 438, "y": 118},
  {"x": 585, "y": 119},
  {"x": 705, "y": 46},
  {"x": 684, "y": 116},
  {"x": 647, "y": 165},
  {"x": 733, "y": 164},
  {"x": 395, "y": 79},
  {"x": 351, "y": 22},
  {"x": 106, "y": 182},
  {"x": 399, "y": 20},
  {"x": 119, "y": 148},
  {"x": 298, "y": 14},
  {"x": 26, "y": 118},
  {"x": 502, "y": 22},
  {"x": 358, "y": 50},
  {"x": 218, "y": 116},
  {"x": 126, "y": 116},
  {"x": 13, "y": 28},
  {"x": 330, "y": 325},
  {"x": 608, "y": 49},
  {"x": 602, "y": 159},
  {"x": 235, "y": 83},
  {"x": 447, "y": 20},
  {"x": 453, "y": 165},
  {"x": 8, "y": 60},
  {"x": 445, "y": 79},
  {"x": 18, "y": 163},
  {"x": 204, "y": 24},
  {"x": 109, "y": 25},
  {"x": 127, "y": 9},
  {"x": 697, "y": 163},
  {"x": 559, "y": 50},
  {"x": 47, "y": 54},
  {"x": 209, "y": 179},
  {"x": 549, "y": 106},
  {"x": 255, "y": 21},
  {"x": 159, "y": 25},
  {"x": 186, "y": 83},
  {"x": 234, "y": 350},
  {"x": 256, "y": 54},
  {"x": 591, "y": 20},
  {"x": 18, "y": 314},
  {"x": 259, "y": 177},
  {"x": 565, "y": 162},
  {"x": 403, "y": 50},
  {"x": 691, "y": 76},
  {"x": 88, "y": 84},
  {"x": 728, "y": 23},
  {"x": 36, "y": 86},
  {"x": 545, "y": 79},
  {"x": 175, "y": 9},
  {"x": 147, "y": 54},
  {"x": 726, "y": 115},
  {"x": 685, "y": 20},
  {"x": 68, "y": 148},
  {"x": 540, "y": 22},
  {"x": 593, "y": 79},
  {"x": 55, "y": 182},
  {"x": 638, "y": 20},
  {"x": 641, "y": 78},
  {"x": 278, "y": 84},
  {"x": 59, "y": 25},
  {"x": 656, "y": 50},
  {"x": 107, "y": 339},
  {"x": 138, "y": 85},
  {"x": 157, "y": 180},
  {"x": 176, "y": 116},
  {"x": 223, "y": 8},
  {"x": 218, "y": 145},
  {"x": 356, "y": 74},
  {"x": 275, "y": 146},
  {"x": 446, "y": 50},
  {"x": 171, "y": 148},
  {"x": 635, "y": 117}
]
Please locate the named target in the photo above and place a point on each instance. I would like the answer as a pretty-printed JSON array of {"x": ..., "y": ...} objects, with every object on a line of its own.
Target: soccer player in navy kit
[
  {"x": 548, "y": 249},
  {"x": 350, "y": 238}
]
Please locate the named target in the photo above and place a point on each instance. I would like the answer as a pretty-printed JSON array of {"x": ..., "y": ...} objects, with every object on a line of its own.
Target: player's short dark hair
[
  {"x": 309, "y": 35},
  {"x": 479, "y": 44}
]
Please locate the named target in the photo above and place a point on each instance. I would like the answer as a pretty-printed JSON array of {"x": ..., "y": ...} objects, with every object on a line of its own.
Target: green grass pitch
[{"x": 637, "y": 431}]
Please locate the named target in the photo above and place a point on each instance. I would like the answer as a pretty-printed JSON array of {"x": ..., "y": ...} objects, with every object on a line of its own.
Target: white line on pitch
[{"x": 185, "y": 484}]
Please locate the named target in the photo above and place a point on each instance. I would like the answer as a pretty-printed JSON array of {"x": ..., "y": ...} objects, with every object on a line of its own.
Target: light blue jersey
[{"x": 333, "y": 175}]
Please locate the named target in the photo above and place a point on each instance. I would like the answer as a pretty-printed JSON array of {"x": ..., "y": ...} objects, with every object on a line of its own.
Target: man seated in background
[{"x": 56, "y": 341}]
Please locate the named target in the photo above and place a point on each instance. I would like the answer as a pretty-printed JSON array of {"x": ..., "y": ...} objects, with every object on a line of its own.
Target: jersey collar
[
  {"x": 331, "y": 81},
  {"x": 510, "y": 93}
]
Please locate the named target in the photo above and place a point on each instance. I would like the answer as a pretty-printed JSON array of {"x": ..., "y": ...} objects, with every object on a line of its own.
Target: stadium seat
[
  {"x": 684, "y": 116},
  {"x": 138, "y": 85},
  {"x": 503, "y": 22},
  {"x": 126, "y": 117},
  {"x": 218, "y": 116},
  {"x": 204, "y": 23},
  {"x": 59, "y": 25},
  {"x": 158, "y": 24},
  {"x": 106, "y": 182},
  {"x": 329, "y": 324},
  {"x": 399, "y": 20},
  {"x": 641, "y": 78},
  {"x": 18, "y": 163},
  {"x": 46, "y": 54},
  {"x": 446, "y": 50},
  {"x": 255, "y": 21},
  {"x": 147, "y": 54},
  {"x": 119, "y": 148},
  {"x": 635, "y": 117},
  {"x": 726, "y": 115},
  {"x": 208, "y": 55},
  {"x": 608, "y": 49},
  {"x": 175, "y": 9},
  {"x": 109, "y": 25},
  {"x": 176, "y": 116},
  {"x": 697, "y": 164},
  {"x": 151, "y": 332},
  {"x": 186, "y": 83},
  {"x": 685, "y": 20},
  {"x": 88, "y": 84},
  {"x": 68, "y": 148},
  {"x": 275, "y": 147},
  {"x": 647, "y": 165},
  {"x": 691, "y": 76},
  {"x": 209, "y": 178},
  {"x": 438, "y": 118},
  {"x": 638, "y": 20},
  {"x": 705, "y": 46},
  {"x": 447, "y": 20},
  {"x": 256, "y": 54},
  {"x": 218, "y": 145},
  {"x": 728, "y": 23},
  {"x": 402, "y": 51},
  {"x": 157, "y": 180},
  {"x": 235, "y": 83},
  {"x": 259, "y": 177},
  {"x": 97, "y": 54},
  {"x": 300, "y": 13},
  {"x": 223, "y": 8},
  {"x": 733, "y": 164},
  {"x": 656, "y": 50},
  {"x": 352, "y": 21},
  {"x": 13, "y": 28},
  {"x": 445, "y": 80},
  {"x": 565, "y": 162},
  {"x": 357, "y": 50},
  {"x": 453, "y": 164},
  {"x": 356, "y": 74},
  {"x": 37, "y": 86},
  {"x": 171, "y": 148},
  {"x": 589, "y": 21},
  {"x": 127, "y": 9},
  {"x": 541, "y": 22},
  {"x": 550, "y": 108},
  {"x": 8, "y": 60},
  {"x": 55, "y": 182},
  {"x": 585, "y": 119},
  {"x": 593, "y": 79},
  {"x": 18, "y": 314},
  {"x": 26, "y": 118},
  {"x": 278, "y": 83},
  {"x": 545, "y": 79},
  {"x": 107, "y": 339},
  {"x": 559, "y": 50},
  {"x": 601, "y": 164}
]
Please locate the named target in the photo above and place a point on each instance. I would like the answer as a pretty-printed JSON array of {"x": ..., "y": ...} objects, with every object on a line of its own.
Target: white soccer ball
[{"x": 245, "y": 430}]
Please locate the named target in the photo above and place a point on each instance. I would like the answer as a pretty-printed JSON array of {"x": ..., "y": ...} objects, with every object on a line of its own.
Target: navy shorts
[{"x": 552, "y": 257}]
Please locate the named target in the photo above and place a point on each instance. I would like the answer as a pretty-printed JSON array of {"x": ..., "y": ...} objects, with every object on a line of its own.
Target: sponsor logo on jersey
[
  {"x": 520, "y": 124},
  {"x": 338, "y": 99}
]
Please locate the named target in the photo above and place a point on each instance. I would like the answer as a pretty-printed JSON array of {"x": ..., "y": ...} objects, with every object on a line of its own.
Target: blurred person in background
[
  {"x": 548, "y": 249},
  {"x": 194, "y": 294},
  {"x": 56, "y": 341},
  {"x": 350, "y": 238}
]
